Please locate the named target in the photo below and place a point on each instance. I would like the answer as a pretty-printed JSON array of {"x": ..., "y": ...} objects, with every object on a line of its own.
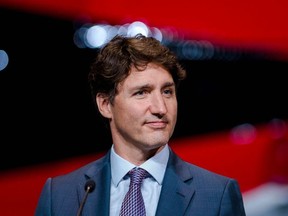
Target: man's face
[{"x": 144, "y": 111}]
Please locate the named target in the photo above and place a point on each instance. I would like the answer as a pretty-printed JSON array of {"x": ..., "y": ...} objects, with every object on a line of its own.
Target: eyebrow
[{"x": 167, "y": 84}]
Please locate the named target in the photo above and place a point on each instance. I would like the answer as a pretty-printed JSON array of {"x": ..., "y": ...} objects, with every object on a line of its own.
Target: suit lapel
[
  {"x": 177, "y": 192},
  {"x": 98, "y": 201}
]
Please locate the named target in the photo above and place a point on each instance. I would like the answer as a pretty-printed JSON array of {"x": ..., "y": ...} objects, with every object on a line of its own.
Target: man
[{"x": 134, "y": 82}]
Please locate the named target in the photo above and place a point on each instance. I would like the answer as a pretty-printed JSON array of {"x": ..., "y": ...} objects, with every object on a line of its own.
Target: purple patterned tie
[{"x": 133, "y": 203}]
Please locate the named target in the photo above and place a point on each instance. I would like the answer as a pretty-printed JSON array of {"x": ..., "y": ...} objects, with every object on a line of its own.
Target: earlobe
[{"x": 103, "y": 105}]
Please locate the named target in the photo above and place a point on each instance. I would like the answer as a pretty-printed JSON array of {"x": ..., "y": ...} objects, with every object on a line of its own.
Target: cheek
[
  {"x": 173, "y": 112},
  {"x": 172, "y": 106},
  {"x": 129, "y": 112}
]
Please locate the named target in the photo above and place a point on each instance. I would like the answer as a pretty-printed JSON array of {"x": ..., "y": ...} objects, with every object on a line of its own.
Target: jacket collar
[
  {"x": 98, "y": 201},
  {"x": 177, "y": 192}
]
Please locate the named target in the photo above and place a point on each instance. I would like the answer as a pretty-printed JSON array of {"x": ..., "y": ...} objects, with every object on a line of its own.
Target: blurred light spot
[
  {"x": 208, "y": 49},
  {"x": 192, "y": 50},
  {"x": 111, "y": 32},
  {"x": 243, "y": 134},
  {"x": 96, "y": 36},
  {"x": 169, "y": 34},
  {"x": 79, "y": 37},
  {"x": 137, "y": 28},
  {"x": 156, "y": 33},
  {"x": 123, "y": 29},
  {"x": 277, "y": 128},
  {"x": 4, "y": 59}
]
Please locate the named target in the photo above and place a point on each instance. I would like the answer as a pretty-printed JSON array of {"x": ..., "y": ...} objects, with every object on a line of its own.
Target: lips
[{"x": 157, "y": 124}]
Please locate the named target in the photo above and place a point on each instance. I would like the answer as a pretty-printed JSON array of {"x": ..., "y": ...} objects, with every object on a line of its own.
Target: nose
[{"x": 158, "y": 105}]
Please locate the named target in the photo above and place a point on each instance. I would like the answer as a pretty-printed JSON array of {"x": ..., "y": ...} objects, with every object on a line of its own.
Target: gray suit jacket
[{"x": 186, "y": 190}]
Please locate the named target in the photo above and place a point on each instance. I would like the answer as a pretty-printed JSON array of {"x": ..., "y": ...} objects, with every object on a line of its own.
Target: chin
[
  {"x": 154, "y": 148},
  {"x": 157, "y": 144}
]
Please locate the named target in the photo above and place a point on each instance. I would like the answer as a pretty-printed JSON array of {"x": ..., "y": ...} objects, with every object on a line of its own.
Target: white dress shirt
[{"x": 151, "y": 186}]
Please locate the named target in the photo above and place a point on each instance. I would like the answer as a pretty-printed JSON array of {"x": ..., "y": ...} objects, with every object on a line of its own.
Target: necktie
[{"x": 133, "y": 204}]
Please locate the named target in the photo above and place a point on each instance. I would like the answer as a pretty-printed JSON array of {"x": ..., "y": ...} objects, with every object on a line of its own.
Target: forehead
[{"x": 153, "y": 73}]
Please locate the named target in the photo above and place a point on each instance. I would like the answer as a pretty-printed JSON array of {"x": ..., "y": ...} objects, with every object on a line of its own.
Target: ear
[{"x": 103, "y": 104}]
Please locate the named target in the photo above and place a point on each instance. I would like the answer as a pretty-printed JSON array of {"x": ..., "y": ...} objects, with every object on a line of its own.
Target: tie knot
[{"x": 137, "y": 175}]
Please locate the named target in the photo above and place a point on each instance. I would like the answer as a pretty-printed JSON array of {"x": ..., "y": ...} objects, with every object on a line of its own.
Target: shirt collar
[{"x": 156, "y": 165}]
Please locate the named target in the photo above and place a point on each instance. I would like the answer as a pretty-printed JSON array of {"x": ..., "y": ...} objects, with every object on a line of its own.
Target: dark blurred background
[{"x": 46, "y": 111}]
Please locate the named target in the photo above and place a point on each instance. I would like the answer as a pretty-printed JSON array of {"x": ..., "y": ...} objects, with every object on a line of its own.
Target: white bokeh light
[
  {"x": 96, "y": 36},
  {"x": 137, "y": 28}
]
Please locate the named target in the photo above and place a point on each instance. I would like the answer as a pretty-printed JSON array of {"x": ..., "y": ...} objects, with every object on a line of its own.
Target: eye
[
  {"x": 168, "y": 92},
  {"x": 141, "y": 92}
]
